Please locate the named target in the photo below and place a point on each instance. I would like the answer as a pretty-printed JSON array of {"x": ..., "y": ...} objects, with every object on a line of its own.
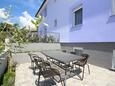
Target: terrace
[
  {"x": 25, "y": 77},
  {"x": 47, "y": 41},
  {"x": 32, "y": 52},
  {"x": 99, "y": 73},
  {"x": 98, "y": 77}
]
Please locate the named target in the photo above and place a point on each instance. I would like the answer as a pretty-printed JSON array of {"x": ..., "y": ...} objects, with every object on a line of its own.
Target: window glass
[{"x": 78, "y": 17}]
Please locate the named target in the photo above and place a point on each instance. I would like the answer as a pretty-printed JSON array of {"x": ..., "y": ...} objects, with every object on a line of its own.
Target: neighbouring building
[{"x": 86, "y": 24}]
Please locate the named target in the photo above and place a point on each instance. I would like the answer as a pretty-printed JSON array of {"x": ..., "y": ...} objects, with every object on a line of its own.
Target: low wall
[
  {"x": 22, "y": 55},
  {"x": 3, "y": 62},
  {"x": 36, "y": 47}
]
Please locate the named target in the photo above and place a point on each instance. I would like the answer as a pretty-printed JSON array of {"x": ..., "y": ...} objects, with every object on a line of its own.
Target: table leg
[
  {"x": 65, "y": 78},
  {"x": 65, "y": 72},
  {"x": 65, "y": 83}
]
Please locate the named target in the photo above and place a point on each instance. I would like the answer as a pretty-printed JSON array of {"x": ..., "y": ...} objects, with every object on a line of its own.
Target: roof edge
[{"x": 41, "y": 7}]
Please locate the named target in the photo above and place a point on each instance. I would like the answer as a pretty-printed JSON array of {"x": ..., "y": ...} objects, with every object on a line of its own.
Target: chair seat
[
  {"x": 45, "y": 64},
  {"x": 79, "y": 63},
  {"x": 50, "y": 72}
]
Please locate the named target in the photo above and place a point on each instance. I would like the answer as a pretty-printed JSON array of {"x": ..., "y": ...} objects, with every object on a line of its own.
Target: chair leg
[
  {"x": 34, "y": 68},
  {"x": 79, "y": 67},
  {"x": 61, "y": 81},
  {"x": 83, "y": 73},
  {"x": 38, "y": 79},
  {"x": 88, "y": 68},
  {"x": 45, "y": 84},
  {"x": 65, "y": 72}
]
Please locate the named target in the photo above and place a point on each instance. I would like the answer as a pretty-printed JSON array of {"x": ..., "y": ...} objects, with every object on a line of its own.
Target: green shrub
[{"x": 9, "y": 79}]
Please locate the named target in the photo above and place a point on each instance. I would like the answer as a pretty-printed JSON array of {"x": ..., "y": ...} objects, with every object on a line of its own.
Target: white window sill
[
  {"x": 76, "y": 27},
  {"x": 111, "y": 19},
  {"x": 79, "y": 25}
]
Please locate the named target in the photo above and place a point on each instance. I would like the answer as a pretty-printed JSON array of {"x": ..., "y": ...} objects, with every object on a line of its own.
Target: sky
[{"x": 21, "y": 10}]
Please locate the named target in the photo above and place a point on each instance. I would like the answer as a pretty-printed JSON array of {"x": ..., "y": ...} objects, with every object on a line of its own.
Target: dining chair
[
  {"x": 34, "y": 58},
  {"x": 47, "y": 72},
  {"x": 81, "y": 62}
]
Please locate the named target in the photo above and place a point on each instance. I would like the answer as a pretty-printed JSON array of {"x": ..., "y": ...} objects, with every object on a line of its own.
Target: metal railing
[{"x": 49, "y": 37}]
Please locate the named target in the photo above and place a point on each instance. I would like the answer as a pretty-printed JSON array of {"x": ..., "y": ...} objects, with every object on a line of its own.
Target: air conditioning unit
[
  {"x": 78, "y": 50},
  {"x": 113, "y": 61}
]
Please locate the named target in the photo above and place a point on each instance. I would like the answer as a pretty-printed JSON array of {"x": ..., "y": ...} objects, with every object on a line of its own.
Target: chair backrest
[
  {"x": 30, "y": 56},
  {"x": 84, "y": 58},
  {"x": 38, "y": 65},
  {"x": 39, "y": 61},
  {"x": 43, "y": 65},
  {"x": 34, "y": 57}
]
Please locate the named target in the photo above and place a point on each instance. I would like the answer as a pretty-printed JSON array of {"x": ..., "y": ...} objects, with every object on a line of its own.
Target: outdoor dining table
[{"x": 61, "y": 57}]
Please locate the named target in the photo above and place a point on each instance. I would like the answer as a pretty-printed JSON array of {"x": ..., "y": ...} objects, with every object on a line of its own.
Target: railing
[
  {"x": 49, "y": 37},
  {"x": 54, "y": 36}
]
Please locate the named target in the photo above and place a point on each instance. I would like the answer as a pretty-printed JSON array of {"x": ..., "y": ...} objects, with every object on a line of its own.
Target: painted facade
[
  {"x": 98, "y": 21},
  {"x": 96, "y": 34}
]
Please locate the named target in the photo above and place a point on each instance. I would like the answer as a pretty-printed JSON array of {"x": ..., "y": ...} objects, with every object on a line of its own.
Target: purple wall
[{"x": 98, "y": 23}]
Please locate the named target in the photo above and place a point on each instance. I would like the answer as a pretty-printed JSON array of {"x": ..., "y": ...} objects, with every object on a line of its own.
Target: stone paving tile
[{"x": 98, "y": 77}]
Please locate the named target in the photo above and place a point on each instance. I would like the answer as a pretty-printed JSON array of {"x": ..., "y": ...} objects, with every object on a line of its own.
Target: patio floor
[{"x": 98, "y": 77}]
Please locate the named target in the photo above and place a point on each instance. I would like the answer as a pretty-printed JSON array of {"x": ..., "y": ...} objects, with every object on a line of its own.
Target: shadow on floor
[
  {"x": 52, "y": 82},
  {"x": 48, "y": 82}
]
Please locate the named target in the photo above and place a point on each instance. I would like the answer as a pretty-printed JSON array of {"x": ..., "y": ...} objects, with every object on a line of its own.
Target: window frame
[{"x": 73, "y": 12}]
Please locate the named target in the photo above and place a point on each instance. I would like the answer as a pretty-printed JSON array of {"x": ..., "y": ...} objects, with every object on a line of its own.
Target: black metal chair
[
  {"x": 46, "y": 71},
  {"x": 34, "y": 58},
  {"x": 82, "y": 62}
]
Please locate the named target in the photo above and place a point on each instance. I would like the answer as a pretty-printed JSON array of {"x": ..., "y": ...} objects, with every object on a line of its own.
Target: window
[
  {"x": 45, "y": 12},
  {"x": 113, "y": 7},
  {"x": 78, "y": 16},
  {"x": 55, "y": 23}
]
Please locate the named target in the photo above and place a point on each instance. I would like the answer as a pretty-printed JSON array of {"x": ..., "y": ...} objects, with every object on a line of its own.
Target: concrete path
[
  {"x": 98, "y": 77},
  {"x": 21, "y": 58}
]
